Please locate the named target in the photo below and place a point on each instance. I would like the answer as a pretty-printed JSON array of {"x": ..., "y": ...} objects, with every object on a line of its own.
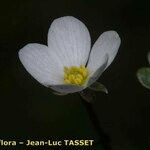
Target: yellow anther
[
  {"x": 67, "y": 81},
  {"x": 75, "y": 81},
  {"x": 82, "y": 67},
  {"x": 84, "y": 73},
  {"x": 75, "y": 74},
  {"x": 78, "y": 80},
  {"x": 79, "y": 76}
]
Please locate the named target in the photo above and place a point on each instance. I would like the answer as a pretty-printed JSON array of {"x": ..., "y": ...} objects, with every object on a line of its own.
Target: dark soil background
[{"x": 29, "y": 110}]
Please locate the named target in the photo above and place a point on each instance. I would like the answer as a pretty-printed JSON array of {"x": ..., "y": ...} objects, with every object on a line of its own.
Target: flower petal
[
  {"x": 95, "y": 75},
  {"x": 41, "y": 64},
  {"x": 67, "y": 88},
  {"x": 69, "y": 38},
  {"x": 107, "y": 43}
]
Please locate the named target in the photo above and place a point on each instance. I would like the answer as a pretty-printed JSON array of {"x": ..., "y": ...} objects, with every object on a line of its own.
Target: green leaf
[
  {"x": 148, "y": 57},
  {"x": 87, "y": 95},
  {"x": 98, "y": 87},
  {"x": 143, "y": 75}
]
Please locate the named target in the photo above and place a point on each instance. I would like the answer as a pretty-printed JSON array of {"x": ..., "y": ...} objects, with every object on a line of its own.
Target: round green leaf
[{"x": 143, "y": 76}]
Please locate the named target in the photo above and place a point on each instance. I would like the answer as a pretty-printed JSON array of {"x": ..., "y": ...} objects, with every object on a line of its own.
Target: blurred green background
[{"x": 27, "y": 109}]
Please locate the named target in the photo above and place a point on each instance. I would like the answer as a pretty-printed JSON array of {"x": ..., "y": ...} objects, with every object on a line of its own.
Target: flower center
[{"x": 75, "y": 75}]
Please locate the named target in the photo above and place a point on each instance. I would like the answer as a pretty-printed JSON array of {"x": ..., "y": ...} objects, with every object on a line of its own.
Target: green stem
[{"x": 103, "y": 138}]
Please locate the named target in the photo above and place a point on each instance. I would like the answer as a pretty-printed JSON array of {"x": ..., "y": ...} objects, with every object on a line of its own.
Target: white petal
[
  {"x": 107, "y": 43},
  {"x": 70, "y": 40},
  {"x": 41, "y": 64},
  {"x": 66, "y": 88},
  {"x": 95, "y": 75}
]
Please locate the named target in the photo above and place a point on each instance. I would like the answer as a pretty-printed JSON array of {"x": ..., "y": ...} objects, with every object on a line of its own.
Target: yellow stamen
[{"x": 75, "y": 75}]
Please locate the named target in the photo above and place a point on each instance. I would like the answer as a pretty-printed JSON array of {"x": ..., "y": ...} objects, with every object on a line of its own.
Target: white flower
[{"x": 68, "y": 64}]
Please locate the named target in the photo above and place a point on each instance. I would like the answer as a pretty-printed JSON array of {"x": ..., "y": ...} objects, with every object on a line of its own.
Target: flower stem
[{"x": 103, "y": 138}]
